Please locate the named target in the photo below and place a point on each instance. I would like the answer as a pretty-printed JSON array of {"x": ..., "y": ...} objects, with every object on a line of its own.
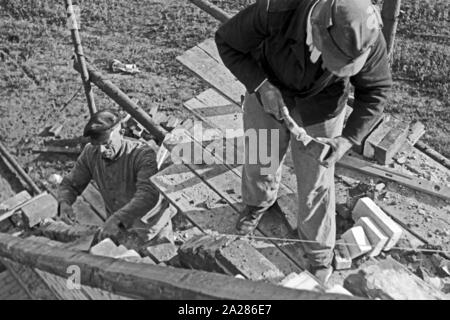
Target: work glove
[
  {"x": 339, "y": 146},
  {"x": 111, "y": 229},
  {"x": 66, "y": 213},
  {"x": 271, "y": 99}
]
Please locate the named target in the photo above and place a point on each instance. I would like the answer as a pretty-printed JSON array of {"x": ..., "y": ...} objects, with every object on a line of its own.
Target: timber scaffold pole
[
  {"x": 123, "y": 101},
  {"x": 73, "y": 25}
]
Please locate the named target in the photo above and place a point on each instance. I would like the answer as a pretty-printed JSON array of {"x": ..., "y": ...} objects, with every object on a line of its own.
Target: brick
[
  {"x": 301, "y": 281},
  {"x": 357, "y": 242},
  {"x": 42, "y": 208},
  {"x": 392, "y": 142},
  {"x": 342, "y": 259},
  {"x": 339, "y": 290},
  {"x": 317, "y": 150},
  {"x": 163, "y": 252},
  {"x": 376, "y": 136},
  {"x": 106, "y": 248},
  {"x": 376, "y": 237},
  {"x": 365, "y": 207},
  {"x": 384, "y": 142},
  {"x": 14, "y": 201},
  {"x": 227, "y": 255}
]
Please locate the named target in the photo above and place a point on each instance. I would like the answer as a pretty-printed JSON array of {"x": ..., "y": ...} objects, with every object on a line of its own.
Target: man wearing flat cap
[
  {"x": 121, "y": 168},
  {"x": 304, "y": 54}
]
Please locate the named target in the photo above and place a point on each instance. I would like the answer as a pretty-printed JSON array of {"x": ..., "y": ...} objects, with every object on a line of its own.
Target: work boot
[
  {"x": 249, "y": 219},
  {"x": 322, "y": 273}
]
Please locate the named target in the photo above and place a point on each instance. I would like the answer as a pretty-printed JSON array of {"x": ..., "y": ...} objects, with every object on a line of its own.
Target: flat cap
[{"x": 100, "y": 122}]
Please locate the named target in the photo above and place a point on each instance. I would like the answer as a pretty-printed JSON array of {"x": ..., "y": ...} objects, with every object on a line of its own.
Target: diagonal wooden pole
[
  {"x": 389, "y": 14},
  {"x": 73, "y": 25}
]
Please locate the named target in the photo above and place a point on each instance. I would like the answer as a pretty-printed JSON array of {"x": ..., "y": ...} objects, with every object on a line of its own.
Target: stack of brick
[
  {"x": 227, "y": 255},
  {"x": 374, "y": 231}
]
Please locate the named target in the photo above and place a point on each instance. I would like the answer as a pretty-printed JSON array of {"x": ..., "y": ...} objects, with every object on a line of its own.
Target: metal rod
[
  {"x": 19, "y": 170},
  {"x": 80, "y": 56}
]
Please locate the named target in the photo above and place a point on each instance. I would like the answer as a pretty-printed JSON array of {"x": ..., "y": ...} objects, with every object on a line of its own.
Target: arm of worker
[
  {"x": 372, "y": 86},
  {"x": 73, "y": 185},
  {"x": 146, "y": 196},
  {"x": 238, "y": 37}
]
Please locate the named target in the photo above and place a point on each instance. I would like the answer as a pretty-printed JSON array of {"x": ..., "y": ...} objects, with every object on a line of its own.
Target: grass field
[{"x": 36, "y": 77}]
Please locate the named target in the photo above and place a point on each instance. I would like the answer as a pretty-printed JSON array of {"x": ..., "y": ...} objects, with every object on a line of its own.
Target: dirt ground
[{"x": 37, "y": 79}]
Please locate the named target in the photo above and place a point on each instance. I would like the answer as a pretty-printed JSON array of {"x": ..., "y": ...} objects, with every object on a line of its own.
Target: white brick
[
  {"x": 339, "y": 289},
  {"x": 357, "y": 242},
  {"x": 301, "y": 281},
  {"x": 341, "y": 259},
  {"x": 365, "y": 207},
  {"x": 376, "y": 237}
]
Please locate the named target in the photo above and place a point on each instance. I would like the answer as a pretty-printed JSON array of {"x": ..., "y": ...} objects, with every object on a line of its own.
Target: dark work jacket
[{"x": 268, "y": 40}]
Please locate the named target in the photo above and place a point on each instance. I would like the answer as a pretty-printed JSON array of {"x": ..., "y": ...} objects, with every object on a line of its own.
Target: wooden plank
[
  {"x": 209, "y": 46},
  {"x": 207, "y": 209},
  {"x": 215, "y": 74},
  {"x": 287, "y": 200},
  {"x": 147, "y": 281},
  {"x": 351, "y": 162}
]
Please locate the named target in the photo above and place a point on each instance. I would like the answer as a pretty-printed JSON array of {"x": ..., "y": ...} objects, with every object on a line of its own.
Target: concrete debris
[{"x": 388, "y": 279}]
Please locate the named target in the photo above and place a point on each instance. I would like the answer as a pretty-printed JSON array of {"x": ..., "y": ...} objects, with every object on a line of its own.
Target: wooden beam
[
  {"x": 76, "y": 39},
  {"x": 19, "y": 171},
  {"x": 213, "y": 10},
  {"x": 146, "y": 281},
  {"x": 389, "y": 14}
]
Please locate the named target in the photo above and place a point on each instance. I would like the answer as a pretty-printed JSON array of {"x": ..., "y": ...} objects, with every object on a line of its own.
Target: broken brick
[
  {"x": 357, "y": 242},
  {"x": 42, "y": 208}
]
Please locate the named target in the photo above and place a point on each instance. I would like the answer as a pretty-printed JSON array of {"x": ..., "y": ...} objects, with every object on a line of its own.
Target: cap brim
[{"x": 341, "y": 67}]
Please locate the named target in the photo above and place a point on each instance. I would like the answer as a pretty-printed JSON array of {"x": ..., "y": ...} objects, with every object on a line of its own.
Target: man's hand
[
  {"x": 339, "y": 146},
  {"x": 66, "y": 213},
  {"x": 111, "y": 228},
  {"x": 271, "y": 99}
]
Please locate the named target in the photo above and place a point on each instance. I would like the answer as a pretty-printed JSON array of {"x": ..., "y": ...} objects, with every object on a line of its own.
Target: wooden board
[
  {"x": 351, "y": 162},
  {"x": 212, "y": 72},
  {"x": 144, "y": 280}
]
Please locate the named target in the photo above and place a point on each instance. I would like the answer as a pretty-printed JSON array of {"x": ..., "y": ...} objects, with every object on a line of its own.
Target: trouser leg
[
  {"x": 316, "y": 195},
  {"x": 265, "y": 136}
]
